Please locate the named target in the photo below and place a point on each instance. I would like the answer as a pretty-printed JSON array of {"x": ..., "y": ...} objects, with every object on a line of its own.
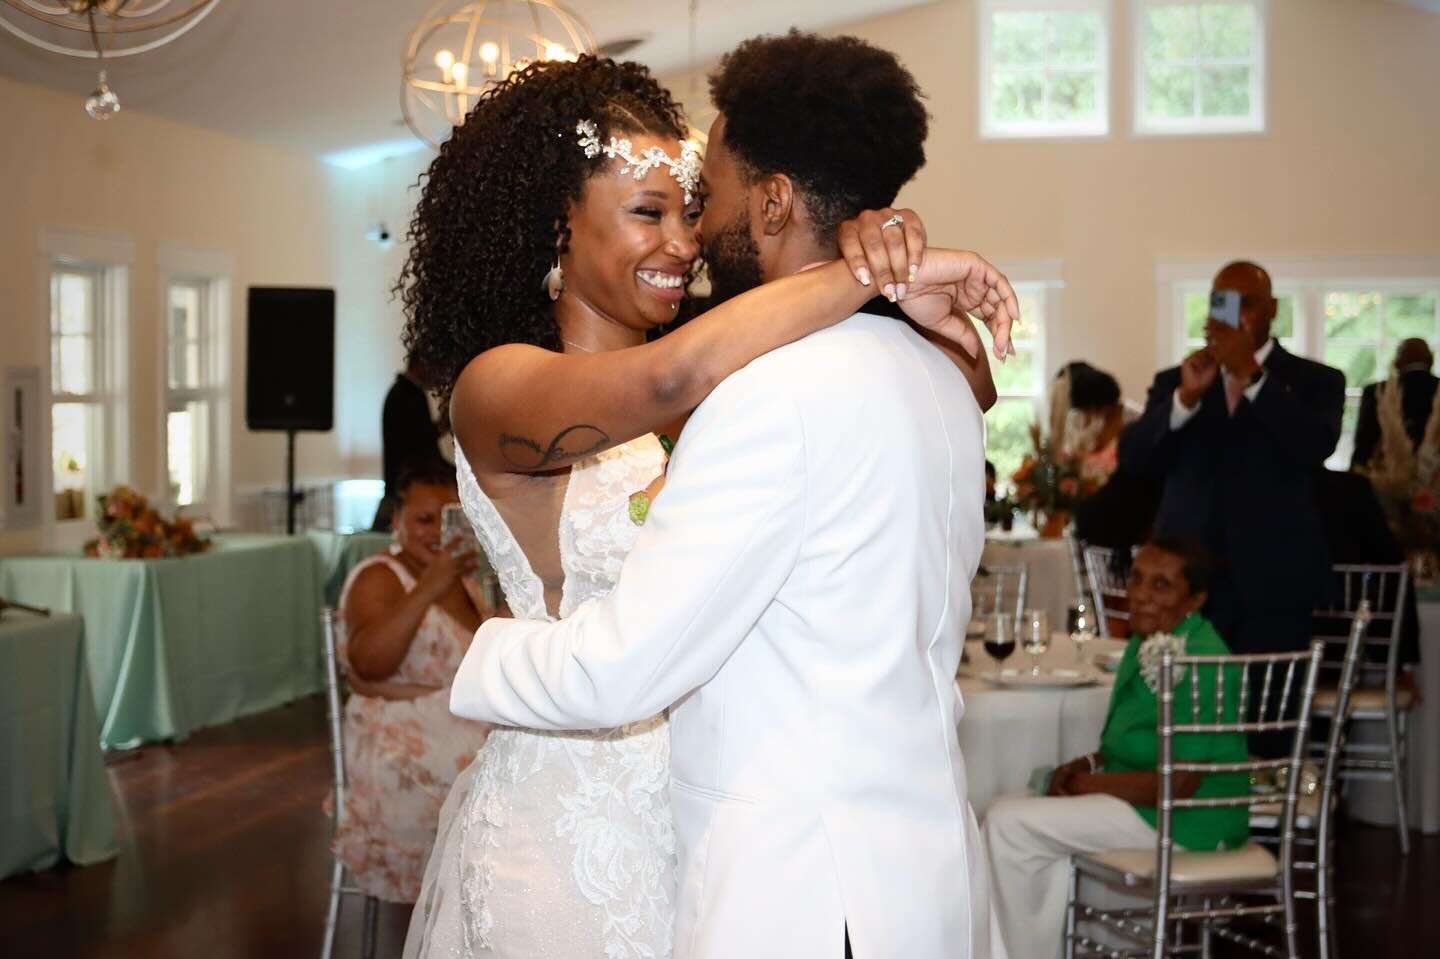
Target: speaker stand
[{"x": 293, "y": 497}]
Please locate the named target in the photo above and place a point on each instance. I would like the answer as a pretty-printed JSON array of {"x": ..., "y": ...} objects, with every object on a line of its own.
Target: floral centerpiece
[
  {"x": 1407, "y": 479},
  {"x": 130, "y": 528},
  {"x": 1051, "y": 486}
]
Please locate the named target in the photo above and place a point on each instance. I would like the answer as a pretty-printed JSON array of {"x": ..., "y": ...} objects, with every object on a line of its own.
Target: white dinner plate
[{"x": 1048, "y": 679}]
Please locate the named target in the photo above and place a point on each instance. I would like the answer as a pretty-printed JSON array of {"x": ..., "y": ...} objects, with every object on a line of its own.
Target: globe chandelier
[
  {"x": 462, "y": 47},
  {"x": 112, "y": 29}
]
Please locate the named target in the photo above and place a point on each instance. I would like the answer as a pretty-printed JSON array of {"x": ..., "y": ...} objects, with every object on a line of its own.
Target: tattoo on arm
[{"x": 570, "y": 444}]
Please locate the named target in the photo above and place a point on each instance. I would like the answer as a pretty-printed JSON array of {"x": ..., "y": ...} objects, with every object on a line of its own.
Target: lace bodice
[{"x": 563, "y": 846}]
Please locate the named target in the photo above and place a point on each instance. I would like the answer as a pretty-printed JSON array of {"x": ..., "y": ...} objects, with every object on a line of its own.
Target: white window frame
[
  {"x": 1142, "y": 125},
  {"x": 213, "y": 271},
  {"x": 111, "y": 258},
  {"x": 991, "y": 129},
  {"x": 1307, "y": 279},
  {"x": 1044, "y": 277}
]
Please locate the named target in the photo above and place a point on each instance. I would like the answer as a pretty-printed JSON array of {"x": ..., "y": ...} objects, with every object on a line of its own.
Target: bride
[{"x": 554, "y": 236}]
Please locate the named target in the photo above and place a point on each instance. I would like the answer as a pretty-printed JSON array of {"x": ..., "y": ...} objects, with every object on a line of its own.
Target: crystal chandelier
[
  {"x": 112, "y": 28},
  {"x": 461, "y": 47}
]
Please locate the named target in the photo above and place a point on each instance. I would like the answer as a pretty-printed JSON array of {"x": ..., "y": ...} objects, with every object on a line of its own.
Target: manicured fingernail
[
  {"x": 900, "y": 292},
  {"x": 914, "y": 270},
  {"x": 889, "y": 291},
  {"x": 864, "y": 276}
]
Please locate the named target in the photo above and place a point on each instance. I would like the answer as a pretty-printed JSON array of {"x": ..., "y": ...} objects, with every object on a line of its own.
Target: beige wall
[
  {"x": 159, "y": 182},
  {"x": 1350, "y": 165}
]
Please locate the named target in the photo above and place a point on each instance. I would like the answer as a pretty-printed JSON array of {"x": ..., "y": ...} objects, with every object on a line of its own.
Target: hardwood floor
[{"x": 224, "y": 856}]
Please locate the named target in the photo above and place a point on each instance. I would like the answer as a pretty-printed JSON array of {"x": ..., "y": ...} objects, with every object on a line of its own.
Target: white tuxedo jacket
[{"x": 799, "y": 592}]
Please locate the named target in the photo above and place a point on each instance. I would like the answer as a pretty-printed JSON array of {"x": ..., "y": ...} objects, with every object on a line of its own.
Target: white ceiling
[{"x": 323, "y": 76}]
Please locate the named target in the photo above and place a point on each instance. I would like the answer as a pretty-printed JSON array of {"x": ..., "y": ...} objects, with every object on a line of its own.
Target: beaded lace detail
[{"x": 595, "y": 801}]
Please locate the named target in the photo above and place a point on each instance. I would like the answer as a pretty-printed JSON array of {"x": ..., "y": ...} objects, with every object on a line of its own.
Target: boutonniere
[
  {"x": 640, "y": 502},
  {"x": 1152, "y": 650}
]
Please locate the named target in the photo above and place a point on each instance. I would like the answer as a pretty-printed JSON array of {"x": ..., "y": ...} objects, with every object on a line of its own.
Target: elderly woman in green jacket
[{"x": 1106, "y": 799}]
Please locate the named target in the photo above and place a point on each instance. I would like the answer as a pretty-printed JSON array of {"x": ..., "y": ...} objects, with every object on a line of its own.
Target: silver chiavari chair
[
  {"x": 1377, "y": 697},
  {"x": 1315, "y": 811},
  {"x": 1108, "y": 588},
  {"x": 339, "y": 887},
  {"x": 1083, "y": 596},
  {"x": 1207, "y": 889},
  {"x": 1004, "y": 588}
]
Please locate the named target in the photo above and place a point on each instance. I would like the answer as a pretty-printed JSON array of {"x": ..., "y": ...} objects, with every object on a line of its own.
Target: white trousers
[{"x": 1031, "y": 840}]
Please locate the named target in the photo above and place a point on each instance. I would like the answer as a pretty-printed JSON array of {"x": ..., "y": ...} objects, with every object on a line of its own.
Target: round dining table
[{"x": 1007, "y": 732}]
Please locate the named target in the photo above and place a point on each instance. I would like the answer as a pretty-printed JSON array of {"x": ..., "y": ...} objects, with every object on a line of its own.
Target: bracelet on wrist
[{"x": 1095, "y": 764}]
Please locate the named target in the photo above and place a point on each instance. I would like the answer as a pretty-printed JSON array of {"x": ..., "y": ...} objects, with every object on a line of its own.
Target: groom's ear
[{"x": 777, "y": 203}]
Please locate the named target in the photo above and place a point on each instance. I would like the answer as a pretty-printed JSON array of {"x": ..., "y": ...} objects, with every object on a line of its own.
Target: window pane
[
  {"x": 1352, "y": 316},
  {"x": 1170, "y": 92},
  {"x": 1225, "y": 92},
  {"x": 73, "y": 309},
  {"x": 71, "y": 429},
  {"x": 1226, "y": 30},
  {"x": 1356, "y": 362},
  {"x": 1008, "y": 435},
  {"x": 185, "y": 449},
  {"x": 1407, "y": 316},
  {"x": 1032, "y": 315},
  {"x": 71, "y": 361},
  {"x": 1171, "y": 32},
  {"x": 1018, "y": 96},
  {"x": 184, "y": 312},
  {"x": 1018, "y": 37},
  {"x": 1340, "y": 459},
  {"x": 1017, "y": 374},
  {"x": 1072, "y": 96},
  {"x": 1075, "y": 37},
  {"x": 1284, "y": 327}
]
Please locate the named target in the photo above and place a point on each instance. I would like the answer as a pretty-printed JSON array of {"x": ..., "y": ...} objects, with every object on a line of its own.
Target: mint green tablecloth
[
  {"x": 342, "y": 552},
  {"x": 54, "y": 798},
  {"x": 175, "y": 645}
]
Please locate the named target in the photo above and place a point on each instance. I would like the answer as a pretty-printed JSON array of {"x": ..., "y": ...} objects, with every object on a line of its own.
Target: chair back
[
  {"x": 334, "y": 710},
  {"x": 1083, "y": 597},
  {"x": 1281, "y": 704},
  {"x": 1003, "y": 588},
  {"x": 1382, "y": 590},
  {"x": 1109, "y": 590}
]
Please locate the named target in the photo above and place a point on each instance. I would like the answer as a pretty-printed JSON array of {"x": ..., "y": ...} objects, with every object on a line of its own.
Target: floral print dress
[{"x": 402, "y": 756}]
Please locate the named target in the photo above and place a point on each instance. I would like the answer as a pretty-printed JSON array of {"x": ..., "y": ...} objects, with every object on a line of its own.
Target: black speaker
[{"x": 290, "y": 359}]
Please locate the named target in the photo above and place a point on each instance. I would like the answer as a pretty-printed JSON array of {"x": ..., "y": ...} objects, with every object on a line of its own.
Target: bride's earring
[{"x": 554, "y": 283}]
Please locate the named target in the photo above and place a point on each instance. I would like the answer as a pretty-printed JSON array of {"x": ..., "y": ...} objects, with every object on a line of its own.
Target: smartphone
[
  {"x": 1225, "y": 307},
  {"x": 455, "y": 528}
]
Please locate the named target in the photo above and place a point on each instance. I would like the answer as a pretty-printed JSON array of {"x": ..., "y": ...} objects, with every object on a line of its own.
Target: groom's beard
[{"x": 733, "y": 261}]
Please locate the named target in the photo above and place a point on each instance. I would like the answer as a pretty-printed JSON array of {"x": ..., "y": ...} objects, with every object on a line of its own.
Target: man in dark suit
[
  {"x": 1413, "y": 360},
  {"x": 1235, "y": 435}
]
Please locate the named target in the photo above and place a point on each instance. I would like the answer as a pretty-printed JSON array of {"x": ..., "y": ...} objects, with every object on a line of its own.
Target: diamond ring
[{"x": 896, "y": 220}]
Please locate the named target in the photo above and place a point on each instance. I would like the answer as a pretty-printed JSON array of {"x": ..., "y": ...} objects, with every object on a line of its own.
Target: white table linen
[
  {"x": 1005, "y": 734},
  {"x": 1051, "y": 585}
]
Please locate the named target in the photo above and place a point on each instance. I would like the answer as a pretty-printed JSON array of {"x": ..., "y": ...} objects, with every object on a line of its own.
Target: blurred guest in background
[
  {"x": 408, "y": 436},
  {"x": 406, "y": 620},
  {"x": 1107, "y": 799},
  {"x": 1094, "y": 417},
  {"x": 1236, "y": 435},
  {"x": 1413, "y": 360}
]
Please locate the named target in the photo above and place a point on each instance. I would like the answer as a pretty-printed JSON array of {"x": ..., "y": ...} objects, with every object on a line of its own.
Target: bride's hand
[
  {"x": 885, "y": 255},
  {"x": 951, "y": 283}
]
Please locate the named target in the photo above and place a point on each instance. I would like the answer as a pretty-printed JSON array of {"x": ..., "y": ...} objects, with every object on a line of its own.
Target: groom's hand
[
  {"x": 951, "y": 283},
  {"x": 887, "y": 255}
]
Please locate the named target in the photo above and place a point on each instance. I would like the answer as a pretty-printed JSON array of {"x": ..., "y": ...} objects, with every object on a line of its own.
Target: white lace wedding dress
[{"x": 557, "y": 845}]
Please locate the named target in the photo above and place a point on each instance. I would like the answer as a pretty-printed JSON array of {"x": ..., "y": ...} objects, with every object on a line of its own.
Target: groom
[{"x": 800, "y": 588}]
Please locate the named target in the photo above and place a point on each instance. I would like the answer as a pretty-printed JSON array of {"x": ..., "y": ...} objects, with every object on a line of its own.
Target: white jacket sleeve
[{"x": 720, "y": 541}]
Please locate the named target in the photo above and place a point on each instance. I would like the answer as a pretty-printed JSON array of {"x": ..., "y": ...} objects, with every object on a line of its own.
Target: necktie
[{"x": 1234, "y": 389}]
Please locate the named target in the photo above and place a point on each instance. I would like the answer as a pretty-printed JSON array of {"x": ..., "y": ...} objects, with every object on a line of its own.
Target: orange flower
[{"x": 1424, "y": 501}]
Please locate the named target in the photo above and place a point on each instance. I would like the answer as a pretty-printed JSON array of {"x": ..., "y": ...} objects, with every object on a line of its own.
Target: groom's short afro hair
[{"x": 839, "y": 117}]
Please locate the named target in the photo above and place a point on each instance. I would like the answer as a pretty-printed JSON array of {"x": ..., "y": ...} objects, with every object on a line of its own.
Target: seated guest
[
  {"x": 1413, "y": 359},
  {"x": 1106, "y": 800},
  {"x": 406, "y": 619}
]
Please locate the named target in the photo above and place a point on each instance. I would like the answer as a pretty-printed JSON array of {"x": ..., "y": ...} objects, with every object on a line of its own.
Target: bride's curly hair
[{"x": 493, "y": 205}]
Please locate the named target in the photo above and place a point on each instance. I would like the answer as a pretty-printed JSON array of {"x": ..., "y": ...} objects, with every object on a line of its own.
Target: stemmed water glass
[
  {"x": 1035, "y": 636},
  {"x": 1083, "y": 628}
]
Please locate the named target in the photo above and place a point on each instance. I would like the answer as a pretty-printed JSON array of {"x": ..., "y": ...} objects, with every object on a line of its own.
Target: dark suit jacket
[
  {"x": 1245, "y": 485},
  {"x": 1417, "y": 395}
]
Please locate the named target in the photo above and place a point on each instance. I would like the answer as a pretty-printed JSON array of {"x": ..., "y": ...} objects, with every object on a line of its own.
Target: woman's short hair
[
  {"x": 1195, "y": 563},
  {"x": 429, "y": 472}
]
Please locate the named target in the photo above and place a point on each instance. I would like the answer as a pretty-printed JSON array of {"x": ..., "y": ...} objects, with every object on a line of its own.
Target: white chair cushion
[
  {"x": 1369, "y": 699},
  {"x": 1267, "y": 815},
  {"x": 1249, "y": 862}
]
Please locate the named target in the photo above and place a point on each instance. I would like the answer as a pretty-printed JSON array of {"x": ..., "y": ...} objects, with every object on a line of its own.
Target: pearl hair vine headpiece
[{"x": 685, "y": 170}]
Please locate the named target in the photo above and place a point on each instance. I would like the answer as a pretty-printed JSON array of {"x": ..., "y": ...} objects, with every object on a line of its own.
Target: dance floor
[{"x": 223, "y": 856}]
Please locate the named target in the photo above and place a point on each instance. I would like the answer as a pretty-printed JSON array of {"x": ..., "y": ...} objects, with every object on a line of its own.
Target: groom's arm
[{"x": 719, "y": 543}]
